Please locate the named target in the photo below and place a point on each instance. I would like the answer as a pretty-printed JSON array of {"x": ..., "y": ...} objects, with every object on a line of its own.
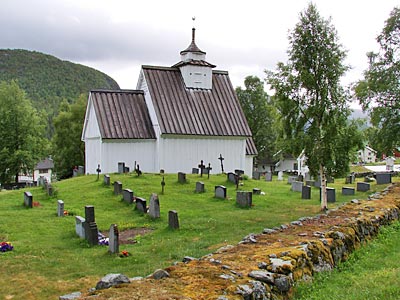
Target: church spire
[{"x": 193, "y": 47}]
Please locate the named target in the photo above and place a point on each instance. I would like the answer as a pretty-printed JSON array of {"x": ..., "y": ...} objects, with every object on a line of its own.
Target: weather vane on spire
[{"x": 193, "y": 19}]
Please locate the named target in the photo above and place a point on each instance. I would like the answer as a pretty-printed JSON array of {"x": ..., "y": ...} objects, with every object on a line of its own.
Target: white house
[
  {"x": 367, "y": 155},
  {"x": 286, "y": 162},
  {"x": 177, "y": 117},
  {"x": 44, "y": 169}
]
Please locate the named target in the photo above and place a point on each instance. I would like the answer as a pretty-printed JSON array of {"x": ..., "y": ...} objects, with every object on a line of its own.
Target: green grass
[
  {"x": 371, "y": 272},
  {"x": 50, "y": 260}
]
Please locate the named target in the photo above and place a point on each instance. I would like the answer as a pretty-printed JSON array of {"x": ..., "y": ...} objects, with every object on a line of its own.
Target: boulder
[{"x": 111, "y": 280}]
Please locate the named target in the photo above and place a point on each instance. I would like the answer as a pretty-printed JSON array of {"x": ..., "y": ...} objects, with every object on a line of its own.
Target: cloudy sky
[{"x": 242, "y": 37}]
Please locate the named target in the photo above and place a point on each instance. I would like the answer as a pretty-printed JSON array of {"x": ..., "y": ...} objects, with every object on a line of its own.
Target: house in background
[
  {"x": 177, "y": 117},
  {"x": 44, "y": 169},
  {"x": 366, "y": 155},
  {"x": 285, "y": 162}
]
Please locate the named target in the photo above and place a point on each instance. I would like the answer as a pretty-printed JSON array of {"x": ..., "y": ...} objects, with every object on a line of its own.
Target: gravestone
[
  {"x": 317, "y": 183},
  {"x": 231, "y": 177},
  {"x": 306, "y": 192},
  {"x": 268, "y": 176},
  {"x": 220, "y": 192},
  {"x": 49, "y": 189},
  {"x": 244, "y": 199},
  {"x": 126, "y": 169},
  {"x": 256, "y": 175},
  {"x": 300, "y": 178},
  {"x": 98, "y": 171},
  {"x": 349, "y": 179},
  {"x": 117, "y": 187},
  {"x": 239, "y": 172},
  {"x": 202, "y": 166},
  {"x": 200, "y": 187},
  {"x": 141, "y": 205},
  {"x": 280, "y": 175},
  {"x": 127, "y": 195},
  {"x": 60, "y": 208},
  {"x": 208, "y": 170},
  {"x": 154, "y": 207},
  {"x": 75, "y": 172},
  {"x": 113, "y": 239},
  {"x": 297, "y": 186},
  {"x": 330, "y": 194},
  {"x": 80, "y": 226},
  {"x": 181, "y": 177},
  {"x": 89, "y": 213},
  {"x": 291, "y": 179},
  {"x": 121, "y": 167},
  {"x": 81, "y": 170},
  {"x": 330, "y": 179},
  {"x": 162, "y": 185},
  {"x": 28, "y": 199},
  {"x": 310, "y": 182},
  {"x": 107, "y": 179},
  {"x": 222, "y": 162},
  {"x": 195, "y": 170},
  {"x": 256, "y": 191},
  {"x": 348, "y": 191},
  {"x": 383, "y": 178},
  {"x": 363, "y": 186},
  {"x": 173, "y": 221},
  {"x": 307, "y": 176}
]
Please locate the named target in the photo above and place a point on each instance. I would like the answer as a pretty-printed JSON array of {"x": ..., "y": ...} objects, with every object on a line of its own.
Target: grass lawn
[
  {"x": 49, "y": 259},
  {"x": 372, "y": 272}
]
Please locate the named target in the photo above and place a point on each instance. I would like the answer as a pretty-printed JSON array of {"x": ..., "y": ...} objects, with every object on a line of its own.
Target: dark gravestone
[
  {"x": 256, "y": 175},
  {"x": 127, "y": 195},
  {"x": 173, "y": 221},
  {"x": 154, "y": 207},
  {"x": 181, "y": 177},
  {"x": 121, "y": 167},
  {"x": 92, "y": 233},
  {"x": 200, "y": 187},
  {"x": 195, "y": 171},
  {"x": 206, "y": 171},
  {"x": 126, "y": 169},
  {"x": 363, "y": 186},
  {"x": 306, "y": 192},
  {"x": 201, "y": 167},
  {"x": 310, "y": 182},
  {"x": 113, "y": 239},
  {"x": 28, "y": 199},
  {"x": 349, "y": 179},
  {"x": 268, "y": 176},
  {"x": 107, "y": 179},
  {"x": 141, "y": 205},
  {"x": 89, "y": 214},
  {"x": 220, "y": 192},
  {"x": 49, "y": 189},
  {"x": 60, "y": 208},
  {"x": 244, "y": 199},
  {"x": 300, "y": 178},
  {"x": 348, "y": 191},
  {"x": 256, "y": 191},
  {"x": 383, "y": 178},
  {"x": 231, "y": 177},
  {"x": 117, "y": 188},
  {"x": 317, "y": 183},
  {"x": 330, "y": 194},
  {"x": 239, "y": 172},
  {"x": 297, "y": 186}
]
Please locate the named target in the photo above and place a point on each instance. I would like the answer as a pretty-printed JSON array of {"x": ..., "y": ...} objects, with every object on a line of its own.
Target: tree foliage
[
  {"x": 68, "y": 149},
  {"x": 310, "y": 97},
  {"x": 21, "y": 133},
  {"x": 48, "y": 80},
  {"x": 260, "y": 115},
  {"x": 379, "y": 91}
]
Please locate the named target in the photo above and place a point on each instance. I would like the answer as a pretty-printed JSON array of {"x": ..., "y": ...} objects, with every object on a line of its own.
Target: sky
[{"x": 242, "y": 37}]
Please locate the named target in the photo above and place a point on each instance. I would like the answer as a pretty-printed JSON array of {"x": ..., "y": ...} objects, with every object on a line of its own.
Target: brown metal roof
[
  {"x": 193, "y": 47},
  {"x": 251, "y": 147},
  {"x": 194, "y": 62},
  {"x": 180, "y": 110},
  {"x": 122, "y": 114}
]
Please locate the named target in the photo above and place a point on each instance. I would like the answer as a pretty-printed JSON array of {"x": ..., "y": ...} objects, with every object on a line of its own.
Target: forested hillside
[{"x": 48, "y": 80}]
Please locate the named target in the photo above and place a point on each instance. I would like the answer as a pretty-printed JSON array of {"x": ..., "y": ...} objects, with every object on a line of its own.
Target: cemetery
[{"x": 152, "y": 232}]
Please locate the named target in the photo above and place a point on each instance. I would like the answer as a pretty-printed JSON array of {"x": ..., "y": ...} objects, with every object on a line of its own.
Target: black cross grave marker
[
  {"x": 222, "y": 164},
  {"x": 162, "y": 185},
  {"x": 201, "y": 167},
  {"x": 208, "y": 170},
  {"x": 98, "y": 170},
  {"x": 138, "y": 171}
]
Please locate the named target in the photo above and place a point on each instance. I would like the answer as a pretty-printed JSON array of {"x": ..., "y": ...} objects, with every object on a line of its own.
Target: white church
[{"x": 177, "y": 117}]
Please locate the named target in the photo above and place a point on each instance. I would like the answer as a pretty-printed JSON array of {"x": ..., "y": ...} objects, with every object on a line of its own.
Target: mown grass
[
  {"x": 372, "y": 273},
  {"x": 50, "y": 260}
]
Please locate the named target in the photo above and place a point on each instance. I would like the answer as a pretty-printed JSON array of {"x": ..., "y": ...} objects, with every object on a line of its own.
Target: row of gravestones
[{"x": 42, "y": 181}]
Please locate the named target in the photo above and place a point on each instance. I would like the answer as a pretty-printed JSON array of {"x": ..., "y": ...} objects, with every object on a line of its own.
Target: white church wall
[
  {"x": 141, "y": 151},
  {"x": 248, "y": 169},
  {"x": 182, "y": 154},
  {"x": 92, "y": 154},
  {"x": 92, "y": 127}
]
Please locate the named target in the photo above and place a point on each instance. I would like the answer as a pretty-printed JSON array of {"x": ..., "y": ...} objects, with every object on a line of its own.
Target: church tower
[{"x": 195, "y": 70}]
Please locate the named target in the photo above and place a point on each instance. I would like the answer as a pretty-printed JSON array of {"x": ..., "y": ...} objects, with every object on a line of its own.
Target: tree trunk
[
  {"x": 324, "y": 201},
  {"x": 16, "y": 177}
]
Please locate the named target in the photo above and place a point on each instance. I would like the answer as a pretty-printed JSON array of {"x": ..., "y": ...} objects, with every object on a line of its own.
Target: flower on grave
[
  {"x": 103, "y": 240},
  {"x": 35, "y": 203},
  {"x": 124, "y": 253},
  {"x": 65, "y": 212},
  {"x": 6, "y": 246}
]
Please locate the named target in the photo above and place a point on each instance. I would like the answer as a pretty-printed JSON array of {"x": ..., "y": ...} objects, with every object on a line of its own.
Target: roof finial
[{"x": 193, "y": 29}]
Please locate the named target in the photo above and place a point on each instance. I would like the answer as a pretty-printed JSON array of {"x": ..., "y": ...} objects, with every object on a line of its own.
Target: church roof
[
  {"x": 122, "y": 114},
  {"x": 191, "y": 111}
]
